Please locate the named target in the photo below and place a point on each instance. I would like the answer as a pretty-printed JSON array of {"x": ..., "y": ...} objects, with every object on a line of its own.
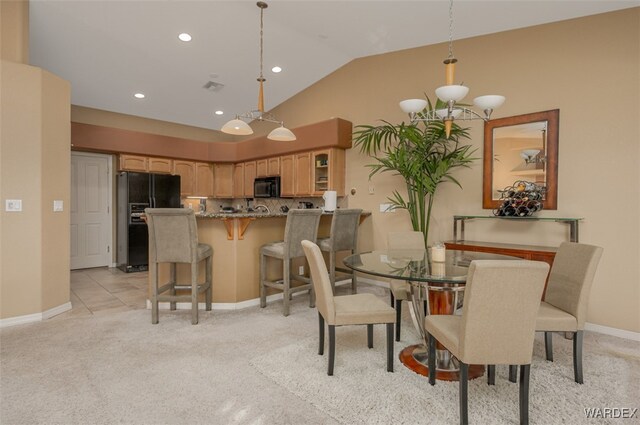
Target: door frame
[{"x": 110, "y": 198}]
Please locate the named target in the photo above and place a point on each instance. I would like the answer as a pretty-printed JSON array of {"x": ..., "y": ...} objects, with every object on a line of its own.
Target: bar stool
[
  {"x": 301, "y": 224},
  {"x": 343, "y": 237},
  {"x": 173, "y": 238}
]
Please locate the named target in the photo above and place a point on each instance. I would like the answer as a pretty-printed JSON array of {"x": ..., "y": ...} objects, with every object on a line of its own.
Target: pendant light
[
  {"x": 450, "y": 94},
  {"x": 239, "y": 127}
]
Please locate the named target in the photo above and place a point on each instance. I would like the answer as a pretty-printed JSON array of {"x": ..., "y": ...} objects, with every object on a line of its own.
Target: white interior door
[{"x": 91, "y": 222}]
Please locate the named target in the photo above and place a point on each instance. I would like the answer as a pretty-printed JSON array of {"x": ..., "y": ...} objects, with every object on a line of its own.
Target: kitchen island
[{"x": 236, "y": 239}]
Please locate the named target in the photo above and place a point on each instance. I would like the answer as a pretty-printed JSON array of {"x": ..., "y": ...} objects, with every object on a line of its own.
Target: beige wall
[
  {"x": 588, "y": 68},
  {"x": 14, "y": 30},
  {"x": 34, "y": 160}
]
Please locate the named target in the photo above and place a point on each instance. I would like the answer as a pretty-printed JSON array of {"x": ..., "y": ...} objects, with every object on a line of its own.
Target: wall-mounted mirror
[{"x": 524, "y": 147}]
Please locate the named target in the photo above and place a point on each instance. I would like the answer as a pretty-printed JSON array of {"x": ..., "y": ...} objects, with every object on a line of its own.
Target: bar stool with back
[
  {"x": 343, "y": 237},
  {"x": 173, "y": 238}
]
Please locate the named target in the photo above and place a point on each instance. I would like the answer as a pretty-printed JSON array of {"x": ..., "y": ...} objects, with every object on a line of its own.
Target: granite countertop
[{"x": 254, "y": 214}]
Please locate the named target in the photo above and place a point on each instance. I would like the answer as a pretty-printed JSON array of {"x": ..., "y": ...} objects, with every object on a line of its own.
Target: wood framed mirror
[{"x": 522, "y": 147}]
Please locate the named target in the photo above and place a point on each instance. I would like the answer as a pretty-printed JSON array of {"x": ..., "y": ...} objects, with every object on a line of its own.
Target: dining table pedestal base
[{"x": 414, "y": 357}]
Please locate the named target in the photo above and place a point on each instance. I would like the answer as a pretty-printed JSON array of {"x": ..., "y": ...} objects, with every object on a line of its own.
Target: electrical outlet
[
  {"x": 372, "y": 189},
  {"x": 301, "y": 270},
  {"x": 58, "y": 206},
  {"x": 386, "y": 208}
]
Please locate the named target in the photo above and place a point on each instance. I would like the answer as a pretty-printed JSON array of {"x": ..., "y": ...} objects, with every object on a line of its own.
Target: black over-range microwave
[{"x": 266, "y": 187}]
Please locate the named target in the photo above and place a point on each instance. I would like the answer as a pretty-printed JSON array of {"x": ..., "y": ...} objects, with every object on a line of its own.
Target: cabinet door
[
  {"x": 223, "y": 180},
  {"x": 303, "y": 174},
  {"x": 328, "y": 169},
  {"x": 160, "y": 165},
  {"x": 287, "y": 176},
  {"x": 204, "y": 179},
  {"x": 273, "y": 167},
  {"x": 238, "y": 180},
  {"x": 134, "y": 163},
  {"x": 249, "y": 177},
  {"x": 187, "y": 172},
  {"x": 261, "y": 168}
]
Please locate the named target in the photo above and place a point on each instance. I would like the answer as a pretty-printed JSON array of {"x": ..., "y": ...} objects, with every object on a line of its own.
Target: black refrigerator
[{"x": 137, "y": 191}]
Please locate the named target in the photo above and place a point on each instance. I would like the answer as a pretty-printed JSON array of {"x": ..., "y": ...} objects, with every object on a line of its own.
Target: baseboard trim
[
  {"x": 35, "y": 317},
  {"x": 620, "y": 333}
]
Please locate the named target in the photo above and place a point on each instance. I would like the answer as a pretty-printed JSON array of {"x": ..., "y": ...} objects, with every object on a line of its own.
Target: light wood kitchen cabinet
[
  {"x": 249, "y": 177},
  {"x": 160, "y": 165},
  {"x": 287, "y": 176},
  {"x": 133, "y": 163},
  {"x": 302, "y": 174},
  {"x": 204, "y": 179},
  {"x": 262, "y": 168},
  {"x": 223, "y": 180},
  {"x": 238, "y": 180},
  {"x": 273, "y": 166},
  {"x": 328, "y": 171},
  {"x": 187, "y": 172}
]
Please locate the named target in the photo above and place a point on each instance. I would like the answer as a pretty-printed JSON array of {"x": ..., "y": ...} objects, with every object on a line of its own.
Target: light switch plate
[
  {"x": 13, "y": 205},
  {"x": 58, "y": 205}
]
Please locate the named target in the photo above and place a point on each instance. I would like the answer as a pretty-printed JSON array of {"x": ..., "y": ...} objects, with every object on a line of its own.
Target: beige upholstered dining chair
[
  {"x": 399, "y": 289},
  {"x": 343, "y": 237},
  {"x": 173, "y": 238},
  {"x": 497, "y": 325},
  {"x": 355, "y": 309},
  {"x": 564, "y": 308},
  {"x": 301, "y": 224}
]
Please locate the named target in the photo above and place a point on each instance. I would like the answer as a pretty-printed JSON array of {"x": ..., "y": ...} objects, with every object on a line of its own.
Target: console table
[{"x": 527, "y": 252}]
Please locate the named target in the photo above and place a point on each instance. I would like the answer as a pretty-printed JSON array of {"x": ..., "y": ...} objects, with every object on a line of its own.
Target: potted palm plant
[{"x": 421, "y": 153}]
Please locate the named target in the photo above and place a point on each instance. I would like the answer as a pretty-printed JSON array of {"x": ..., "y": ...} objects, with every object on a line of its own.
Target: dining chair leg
[
  {"x": 491, "y": 374},
  {"x": 392, "y": 298},
  {"x": 320, "y": 334},
  {"x": 263, "y": 276},
  {"x": 513, "y": 372},
  {"x": 398, "y": 318},
  {"x": 524, "y": 393},
  {"x": 432, "y": 359},
  {"x": 312, "y": 297},
  {"x": 389, "y": 347},
  {"x": 332, "y": 270},
  {"x": 548, "y": 345},
  {"x": 286, "y": 282},
  {"x": 370, "y": 336},
  {"x": 332, "y": 348},
  {"x": 354, "y": 280},
  {"x": 464, "y": 387},
  {"x": 577, "y": 356}
]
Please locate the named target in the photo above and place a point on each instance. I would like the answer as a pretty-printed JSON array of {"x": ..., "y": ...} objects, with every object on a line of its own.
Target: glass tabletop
[{"x": 416, "y": 264}]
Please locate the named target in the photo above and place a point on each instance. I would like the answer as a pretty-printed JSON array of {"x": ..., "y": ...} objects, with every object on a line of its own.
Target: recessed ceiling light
[
  {"x": 184, "y": 37},
  {"x": 276, "y": 69},
  {"x": 139, "y": 96},
  {"x": 219, "y": 112}
]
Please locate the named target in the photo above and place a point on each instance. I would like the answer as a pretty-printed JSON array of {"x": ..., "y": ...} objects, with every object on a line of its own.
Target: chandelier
[
  {"x": 450, "y": 94},
  {"x": 239, "y": 127}
]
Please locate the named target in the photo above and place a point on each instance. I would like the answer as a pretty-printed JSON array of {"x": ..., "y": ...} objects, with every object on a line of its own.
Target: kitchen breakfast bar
[{"x": 236, "y": 239}]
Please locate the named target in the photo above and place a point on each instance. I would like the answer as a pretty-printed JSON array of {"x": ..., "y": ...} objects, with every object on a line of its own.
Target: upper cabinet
[
  {"x": 273, "y": 166},
  {"x": 160, "y": 165},
  {"x": 204, "y": 179},
  {"x": 249, "y": 177},
  {"x": 238, "y": 180},
  {"x": 287, "y": 176},
  {"x": 223, "y": 180},
  {"x": 262, "y": 168},
  {"x": 328, "y": 171},
  {"x": 187, "y": 172},
  {"x": 302, "y": 174},
  {"x": 134, "y": 163}
]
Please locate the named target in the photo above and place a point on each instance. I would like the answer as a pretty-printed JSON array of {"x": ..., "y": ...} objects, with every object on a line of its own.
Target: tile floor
[{"x": 105, "y": 290}]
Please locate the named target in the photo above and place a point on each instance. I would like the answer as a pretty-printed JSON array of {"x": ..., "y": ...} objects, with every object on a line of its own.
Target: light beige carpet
[{"x": 257, "y": 367}]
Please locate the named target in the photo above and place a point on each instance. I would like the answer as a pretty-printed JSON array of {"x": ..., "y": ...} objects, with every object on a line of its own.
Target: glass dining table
[{"x": 437, "y": 287}]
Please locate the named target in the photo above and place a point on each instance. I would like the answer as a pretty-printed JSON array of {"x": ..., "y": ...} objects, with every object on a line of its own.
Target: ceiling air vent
[{"x": 213, "y": 86}]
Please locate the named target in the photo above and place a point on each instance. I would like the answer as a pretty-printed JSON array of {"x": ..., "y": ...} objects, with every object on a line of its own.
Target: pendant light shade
[
  {"x": 282, "y": 134},
  {"x": 237, "y": 127}
]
